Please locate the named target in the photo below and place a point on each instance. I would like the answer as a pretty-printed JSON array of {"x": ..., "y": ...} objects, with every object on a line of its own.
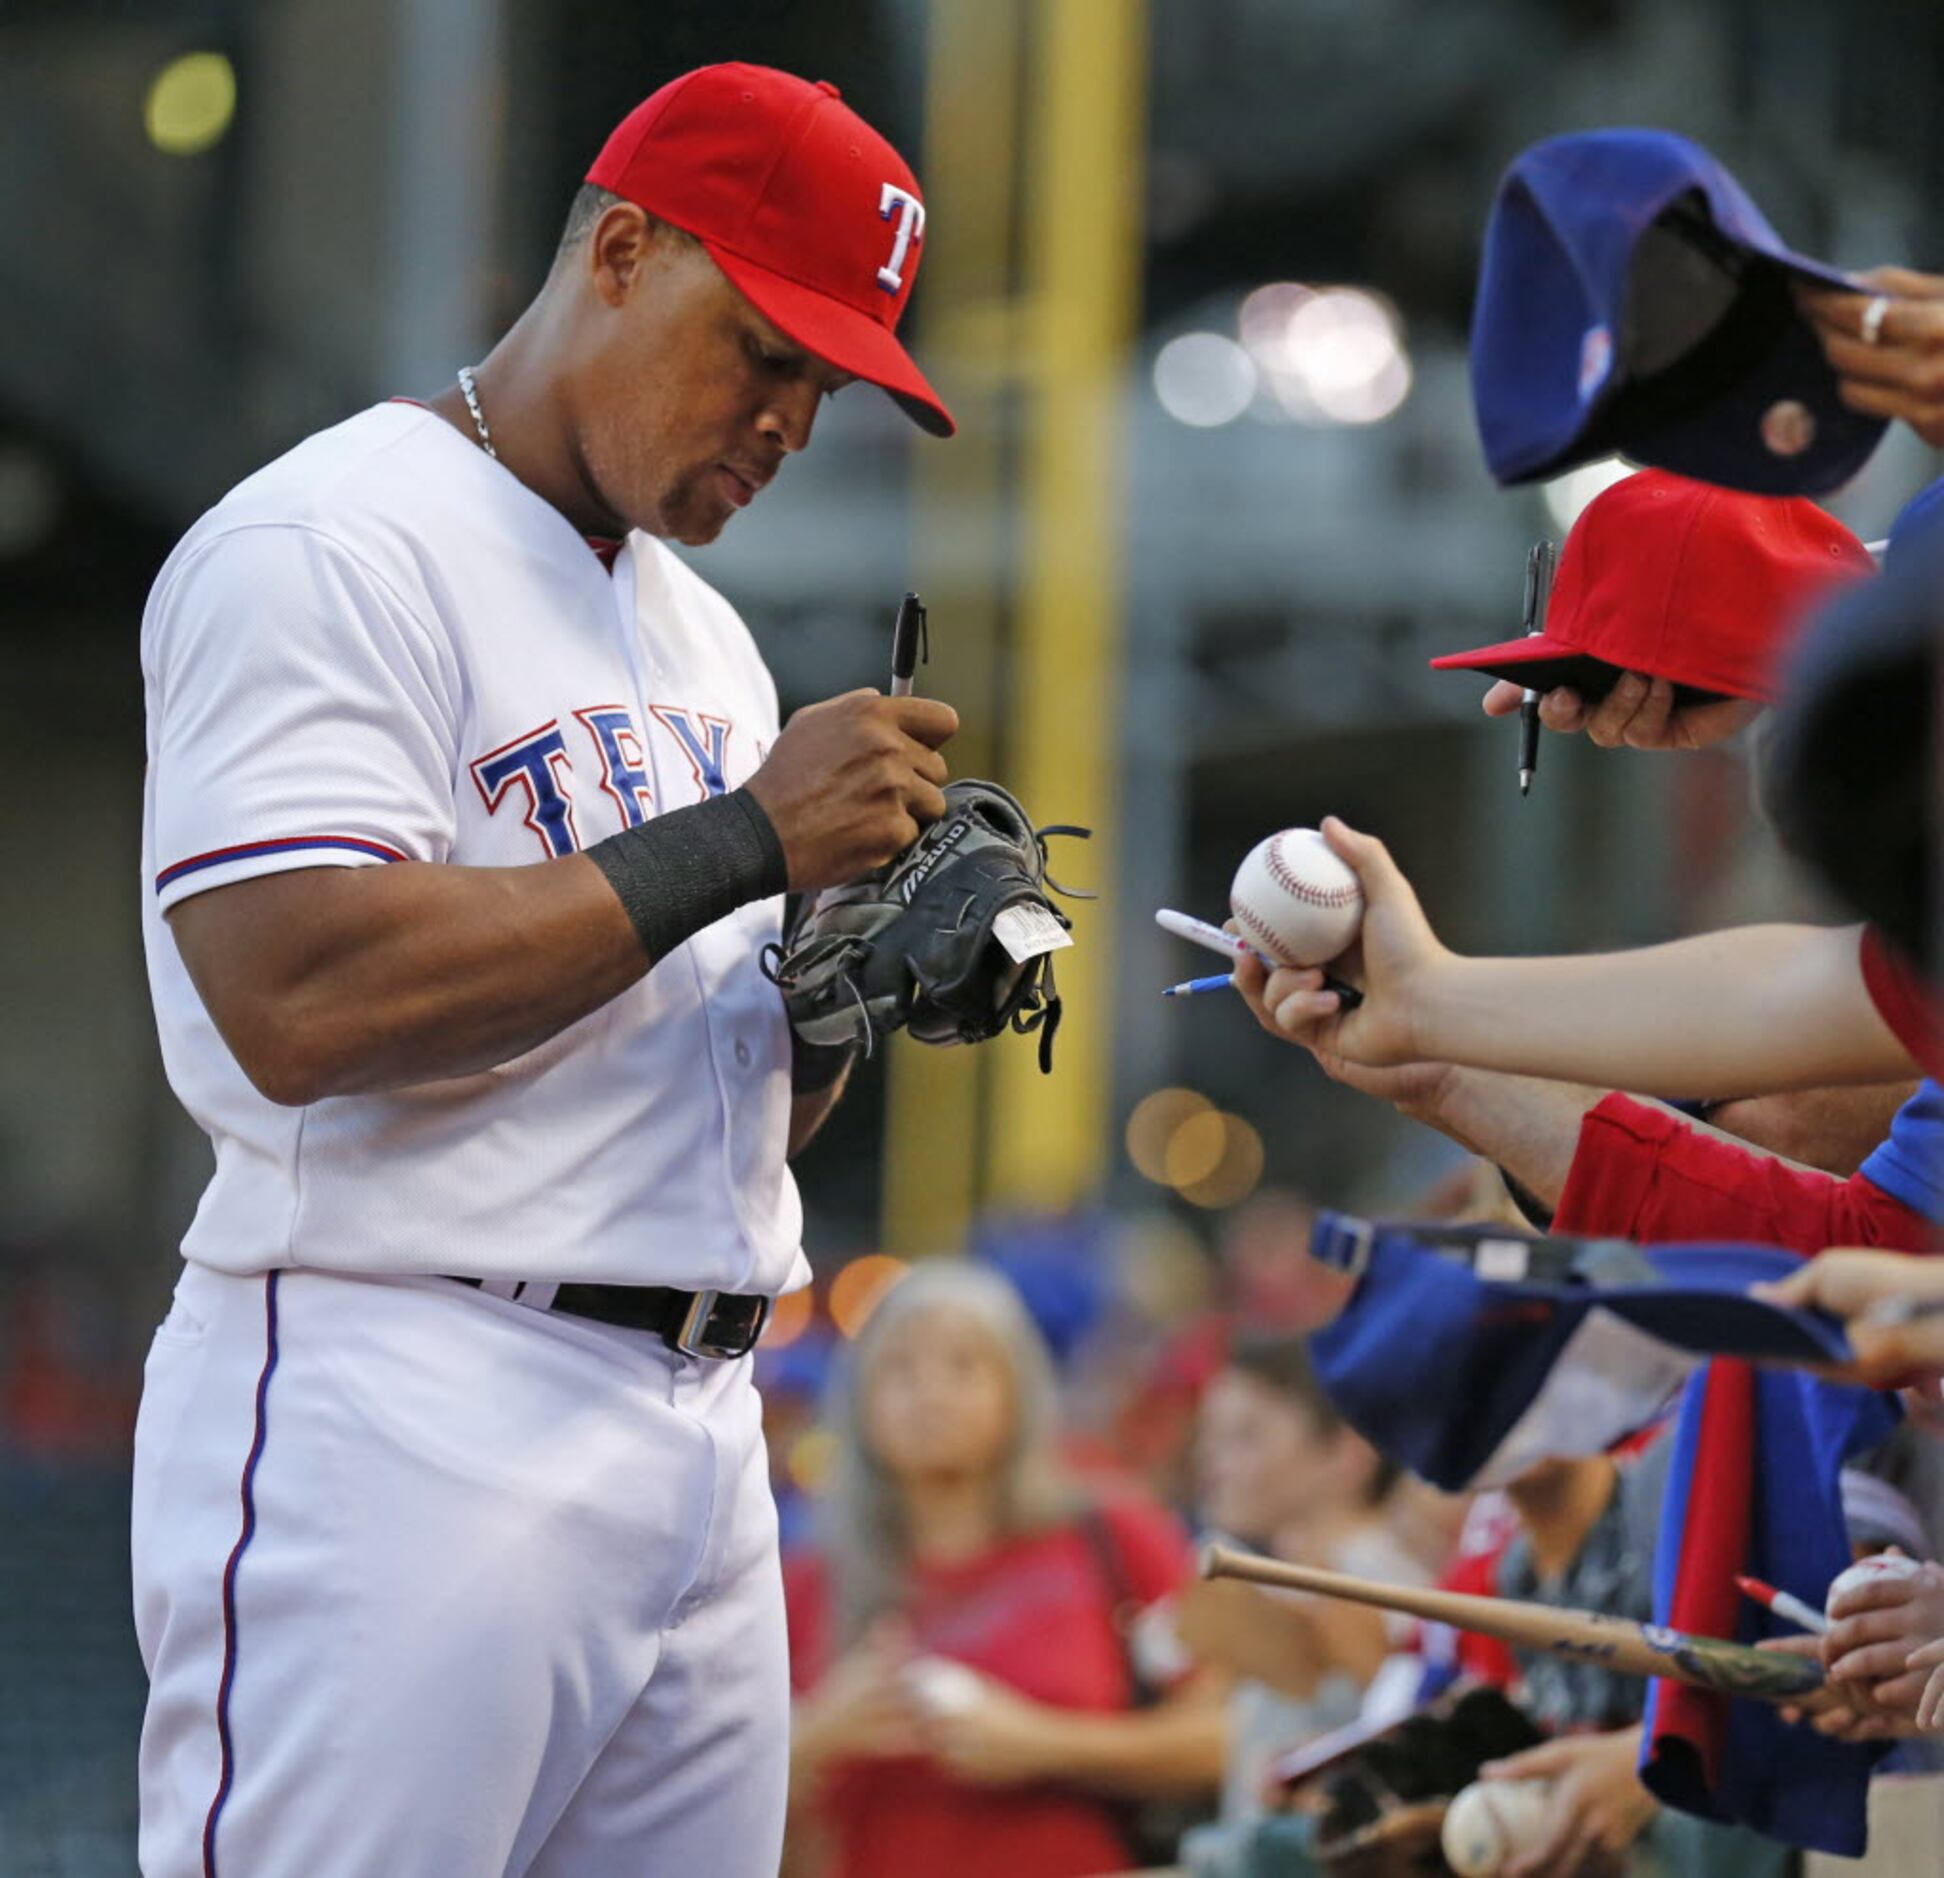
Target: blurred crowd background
[{"x": 1197, "y": 278}]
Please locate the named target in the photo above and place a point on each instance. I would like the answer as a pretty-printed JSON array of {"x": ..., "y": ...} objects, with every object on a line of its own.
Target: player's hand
[
  {"x": 1598, "y": 1807},
  {"x": 1395, "y": 963},
  {"x": 1901, "y": 376},
  {"x": 852, "y": 780},
  {"x": 1638, "y": 712},
  {"x": 1876, "y": 1628},
  {"x": 997, "y": 1739}
]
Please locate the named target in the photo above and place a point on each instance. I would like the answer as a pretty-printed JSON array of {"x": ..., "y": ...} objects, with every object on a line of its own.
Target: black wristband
[
  {"x": 682, "y": 871},
  {"x": 815, "y": 1066}
]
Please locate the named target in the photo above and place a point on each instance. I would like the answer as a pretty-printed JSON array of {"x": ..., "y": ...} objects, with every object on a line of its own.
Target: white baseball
[
  {"x": 1296, "y": 901},
  {"x": 1491, "y": 1822},
  {"x": 939, "y": 1686},
  {"x": 1868, "y": 1571}
]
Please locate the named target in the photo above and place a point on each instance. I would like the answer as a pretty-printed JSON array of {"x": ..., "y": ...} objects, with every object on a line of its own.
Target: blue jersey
[{"x": 1909, "y": 1167}]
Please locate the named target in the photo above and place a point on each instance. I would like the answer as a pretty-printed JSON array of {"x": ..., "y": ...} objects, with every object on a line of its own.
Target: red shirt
[
  {"x": 1037, "y": 1614},
  {"x": 1642, "y": 1173},
  {"x": 1904, "y": 1001}
]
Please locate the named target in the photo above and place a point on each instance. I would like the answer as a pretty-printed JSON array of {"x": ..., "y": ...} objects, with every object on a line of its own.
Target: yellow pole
[
  {"x": 1048, "y": 1135},
  {"x": 935, "y": 1098}
]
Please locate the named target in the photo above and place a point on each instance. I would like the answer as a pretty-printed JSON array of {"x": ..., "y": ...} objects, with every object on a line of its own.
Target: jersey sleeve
[
  {"x": 1641, "y": 1173},
  {"x": 299, "y": 716},
  {"x": 1904, "y": 1001}
]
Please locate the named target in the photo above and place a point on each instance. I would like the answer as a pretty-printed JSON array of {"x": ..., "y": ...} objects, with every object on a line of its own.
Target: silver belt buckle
[{"x": 701, "y": 1335}]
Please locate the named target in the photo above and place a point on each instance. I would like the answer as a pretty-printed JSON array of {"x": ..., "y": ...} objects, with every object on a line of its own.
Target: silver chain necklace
[{"x": 471, "y": 393}]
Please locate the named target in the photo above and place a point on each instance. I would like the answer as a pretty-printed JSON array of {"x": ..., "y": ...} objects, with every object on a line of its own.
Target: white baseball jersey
[{"x": 384, "y": 648}]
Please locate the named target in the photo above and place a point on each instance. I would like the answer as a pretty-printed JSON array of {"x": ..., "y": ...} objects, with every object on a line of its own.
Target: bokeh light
[
  {"x": 1325, "y": 355},
  {"x": 789, "y": 1318},
  {"x": 1237, "y": 1170},
  {"x": 190, "y": 103},
  {"x": 1567, "y": 495},
  {"x": 1204, "y": 379},
  {"x": 1347, "y": 348},
  {"x": 1152, "y": 1125},
  {"x": 811, "y": 1456},
  {"x": 856, "y": 1290},
  {"x": 1196, "y": 1147}
]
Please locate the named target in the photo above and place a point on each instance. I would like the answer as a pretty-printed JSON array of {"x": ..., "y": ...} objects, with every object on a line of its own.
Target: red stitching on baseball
[
  {"x": 1263, "y": 933},
  {"x": 1302, "y": 889}
]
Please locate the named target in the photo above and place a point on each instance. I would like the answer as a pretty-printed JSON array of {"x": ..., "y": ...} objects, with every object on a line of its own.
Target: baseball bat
[{"x": 1589, "y": 1636}]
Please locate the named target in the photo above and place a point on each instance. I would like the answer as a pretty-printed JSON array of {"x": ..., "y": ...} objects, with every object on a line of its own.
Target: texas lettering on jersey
[{"x": 533, "y": 773}]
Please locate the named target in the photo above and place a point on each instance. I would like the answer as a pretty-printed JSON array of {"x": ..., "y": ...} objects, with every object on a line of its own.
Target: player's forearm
[
  {"x": 335, "y": 981},
  {"x": 1753, "y": 1009}
]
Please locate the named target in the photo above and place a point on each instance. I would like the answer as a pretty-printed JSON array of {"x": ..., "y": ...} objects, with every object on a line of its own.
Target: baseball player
[{"x": 468, "y": 816}]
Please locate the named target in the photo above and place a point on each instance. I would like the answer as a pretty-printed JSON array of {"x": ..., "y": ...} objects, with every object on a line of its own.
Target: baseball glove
[{"x": 951, "y": 940}]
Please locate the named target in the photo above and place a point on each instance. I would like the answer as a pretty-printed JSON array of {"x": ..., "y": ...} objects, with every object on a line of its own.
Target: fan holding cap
[
  {"x": 1632, "y": 298},
  {"x": 1674, "y": 603}
]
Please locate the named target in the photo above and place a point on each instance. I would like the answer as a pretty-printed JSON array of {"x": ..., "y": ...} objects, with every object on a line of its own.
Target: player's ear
[{"x": 620, "y": 245}]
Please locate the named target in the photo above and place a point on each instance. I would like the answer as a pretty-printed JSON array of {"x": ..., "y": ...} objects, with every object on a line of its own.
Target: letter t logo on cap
[{"x": 911, "y": 227}]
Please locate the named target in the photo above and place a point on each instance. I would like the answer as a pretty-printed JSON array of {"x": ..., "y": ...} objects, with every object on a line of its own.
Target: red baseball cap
[
  {"x": 800, "y": 202},
  {"x": 1680, "y": 580}
]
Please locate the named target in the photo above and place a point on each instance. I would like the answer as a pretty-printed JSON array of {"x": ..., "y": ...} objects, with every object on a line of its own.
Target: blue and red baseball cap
[
  {"x": 1633, "y": 300},
  {"x": 813, "y": 215}
]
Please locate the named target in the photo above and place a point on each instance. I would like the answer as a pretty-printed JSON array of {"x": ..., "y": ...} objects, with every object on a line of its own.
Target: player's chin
[{"x": 697, "y": 521}]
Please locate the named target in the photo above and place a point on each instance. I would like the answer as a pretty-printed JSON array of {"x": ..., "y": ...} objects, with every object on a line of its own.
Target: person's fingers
[
  {"x": 1872, "y": 1663},
  {"x": 1503, "y": 699},
  {"x": 930, "y": 720},
  {"x": 1838, "y": 1723},
  {"x": 1696, "y": 726},
  {"x": 1795, "y": 1291},
  {"x": 1930, "y": 1707},
  {"x": 1906, "y": 282},
  {"x": 1563, "y": 710},
  {"x": 1251, "y": 976},
  {"x": 926, "y": 762},
  {"x": 1368, "y": 858},
  {"x": 1926, "y": 1655},
  {"x": 1836, "y": 313},
  {"x": 1543, "y": 1762},
  {"x": 1286, "y": 980},
  {"x": 1866, "y": 1612},
  {"x": 1647, "y": 728},
  {"x": 1886, "y": 366},
  {"x": 1899, "y": 1695},
  {"x": 1607, "y": 726},
  {"x": 1298, "y": 1014},
  {"x": 1923, "y": 412}
]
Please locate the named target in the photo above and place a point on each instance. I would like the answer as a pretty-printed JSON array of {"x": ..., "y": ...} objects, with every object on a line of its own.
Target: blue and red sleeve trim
[{"x": 250, "y": 850}]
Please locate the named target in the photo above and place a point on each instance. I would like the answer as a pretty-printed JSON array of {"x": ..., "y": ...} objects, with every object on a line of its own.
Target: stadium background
[{"x": 1185, "y": 564}]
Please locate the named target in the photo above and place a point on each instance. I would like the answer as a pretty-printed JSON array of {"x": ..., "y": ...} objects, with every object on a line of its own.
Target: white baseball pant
[{"x": 432, "y": 1585}]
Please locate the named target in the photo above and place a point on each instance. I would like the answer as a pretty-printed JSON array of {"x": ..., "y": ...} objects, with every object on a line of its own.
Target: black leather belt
[{"x": 720, "y": 1324}]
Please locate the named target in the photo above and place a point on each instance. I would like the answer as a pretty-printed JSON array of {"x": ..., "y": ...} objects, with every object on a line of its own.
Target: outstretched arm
[{"x": 1752, "y": 1009}]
